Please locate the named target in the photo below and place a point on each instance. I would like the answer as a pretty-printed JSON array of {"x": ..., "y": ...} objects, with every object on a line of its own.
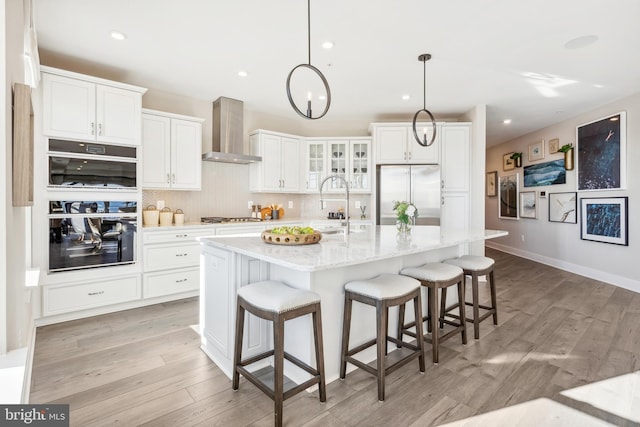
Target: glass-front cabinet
[{"x": 347, "y": 158}]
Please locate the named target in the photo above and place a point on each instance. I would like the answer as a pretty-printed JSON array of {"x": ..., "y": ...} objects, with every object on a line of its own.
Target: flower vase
[
  {"x": 403, "y": 227},
  {"x": 568, "y": 159}
]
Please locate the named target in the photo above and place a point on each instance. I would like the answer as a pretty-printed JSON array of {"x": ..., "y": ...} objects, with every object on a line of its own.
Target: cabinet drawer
[
  {"x": 163, "y": 257},
  {"x": 66, "y": 298},
  {"x": 176, "y": 235},
  {"x": 159, "y": 284}
]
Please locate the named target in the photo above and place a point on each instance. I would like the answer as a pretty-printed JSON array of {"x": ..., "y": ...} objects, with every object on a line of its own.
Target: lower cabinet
[
  {"x": 167, "y": 283},
  {"x": 67, "y": 298},
  {"x": 454, "y": 214}
]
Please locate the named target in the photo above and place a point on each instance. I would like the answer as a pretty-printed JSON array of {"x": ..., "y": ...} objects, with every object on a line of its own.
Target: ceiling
[{"x": 509, "y": 55}]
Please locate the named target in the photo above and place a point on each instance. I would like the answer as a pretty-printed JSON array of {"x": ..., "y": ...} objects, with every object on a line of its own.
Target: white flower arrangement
[{"x": 405, "y": 211}]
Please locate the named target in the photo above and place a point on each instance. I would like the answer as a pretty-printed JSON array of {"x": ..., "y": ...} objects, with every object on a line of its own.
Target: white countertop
[
  {"x": 364, "y": 244},
  {"x": 266, "y": 223}
]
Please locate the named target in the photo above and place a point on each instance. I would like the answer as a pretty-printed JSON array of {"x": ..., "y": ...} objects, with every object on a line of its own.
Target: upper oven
[{"x": 91, "y": 165}]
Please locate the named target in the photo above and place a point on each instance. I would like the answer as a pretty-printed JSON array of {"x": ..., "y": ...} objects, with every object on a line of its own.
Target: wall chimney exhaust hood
[{"x": 228, "y": 133}]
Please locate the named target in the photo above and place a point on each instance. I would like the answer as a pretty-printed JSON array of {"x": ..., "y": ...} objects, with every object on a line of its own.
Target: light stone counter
[{"x": 228, "y": 263}]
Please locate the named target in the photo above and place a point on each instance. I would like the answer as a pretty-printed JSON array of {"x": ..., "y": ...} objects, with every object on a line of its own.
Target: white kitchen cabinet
[
  {"x": 455, "y": 160},
  {"x": 279, "y": 169},
  {"x": 315, "y": 162},
  {"x": 396, "y": 144},
  {"x": 454, "y": 212},
  {"x": 91, "y": 109},
  {"x": 171, "y": 260},
  {"x": 171, "y": 151}
]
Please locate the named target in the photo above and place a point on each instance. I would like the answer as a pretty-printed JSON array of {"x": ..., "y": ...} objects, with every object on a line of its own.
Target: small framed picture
[
  {"x": 563, "y": 207},
  {"x": 604, "y": 219},
  {"x": 528, "y": 205},
  {"x": 536, "y": 151},
  {"x": 507, "y": 162},
  {"x": 492, "y": 184},
  {"x": 554, "y": 145}
]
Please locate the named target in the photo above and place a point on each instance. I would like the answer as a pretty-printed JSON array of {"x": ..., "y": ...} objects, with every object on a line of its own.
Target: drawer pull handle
[
  {"x": 181, "y": 280},
  {"x": 95, "y": 293},
  {"x": 181, "y": 235},
  {"x": 180, "y": 255}
]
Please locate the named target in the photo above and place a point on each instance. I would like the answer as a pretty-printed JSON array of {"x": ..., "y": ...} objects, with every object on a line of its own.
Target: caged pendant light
[
  {"x": 423, "y": 141},
  {"x": 309, "y": 113}
]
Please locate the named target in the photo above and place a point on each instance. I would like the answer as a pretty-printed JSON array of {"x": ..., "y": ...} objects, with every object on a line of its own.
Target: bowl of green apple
[{"x": 294, "y": 235}]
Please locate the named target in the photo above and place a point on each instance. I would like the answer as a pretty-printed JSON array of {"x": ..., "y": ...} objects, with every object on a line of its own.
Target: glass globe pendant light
[
  {"x": 309, "y": 112},
  {"x": 422, "y": 139}
]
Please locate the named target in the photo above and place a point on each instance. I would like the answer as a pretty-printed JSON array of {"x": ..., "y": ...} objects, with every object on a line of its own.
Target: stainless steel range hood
[{"x": 228, "y": 133}]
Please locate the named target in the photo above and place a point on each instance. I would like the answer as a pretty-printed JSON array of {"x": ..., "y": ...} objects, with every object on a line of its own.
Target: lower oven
[{"x": 89, "y": 234}]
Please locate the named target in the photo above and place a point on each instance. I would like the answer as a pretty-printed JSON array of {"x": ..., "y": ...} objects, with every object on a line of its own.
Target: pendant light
[
  {"x": 423, "y": 141},
  {"x": 309, "y": 113}
]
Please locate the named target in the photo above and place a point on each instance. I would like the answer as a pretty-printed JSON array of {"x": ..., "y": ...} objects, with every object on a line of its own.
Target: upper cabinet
[
  {"x": 455, "y": 152},
  {"x": 90, "y": 109},
  {"x": 171, "y": 151},
  {"x": 279, "y": 169},
  {"x": 396, "y": 144}
]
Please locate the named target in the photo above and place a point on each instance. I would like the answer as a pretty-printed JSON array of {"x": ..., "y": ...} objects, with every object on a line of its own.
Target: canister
[
  {"x": 166, "y": 217},
  {"x": 178, "y": 217},
  {"x": 150, "y": 216}
]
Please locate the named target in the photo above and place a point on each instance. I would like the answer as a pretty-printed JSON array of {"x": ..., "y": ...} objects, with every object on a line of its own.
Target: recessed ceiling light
[
  {"x": 580, "y": 42},
  {"x": 406, "y": 97},
  {"x": 118, "y": 35},
  {"x": 507, "y": 121},
  {"x": 327, "y": 45},
  {"x": 242, "y": 73}
]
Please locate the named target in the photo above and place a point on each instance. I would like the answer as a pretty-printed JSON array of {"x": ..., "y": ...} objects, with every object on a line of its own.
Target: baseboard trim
[{"x": 591, "y": 273}]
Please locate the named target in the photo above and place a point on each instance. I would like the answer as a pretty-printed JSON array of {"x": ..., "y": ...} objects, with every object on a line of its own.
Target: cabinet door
[
  {"x": 455, "y": 212},
  {"x": 186, "y": 154},
  {"x": 271, "y": 162},
  {"x": 391, "y": 143},
  {"x": 69, "y": 107},
  {"x": 455, "y": 157},
  {"x": 418, "y": 154},
  {"x": 118, "y": 115},
  {"x": 338, "y": 163},
  {"x": 315, "y": 163},
  {"x": 360, "y": 169},
  {"x": 290, "y": 164},
  {"x": 156, "y": 151}
]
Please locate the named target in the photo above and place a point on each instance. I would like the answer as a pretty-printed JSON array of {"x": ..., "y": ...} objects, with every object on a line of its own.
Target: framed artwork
[
  {"x": 491, "y": 184},
  {"x": 536, "y": 151},
  {"x": 601, "y": 153},
  {"x": 508, "y": 200},
  {"x": 563, "y": 207},
  {"x": 604, "y": 219},
  {"x": 554, "y": 144},
  {"x": 528, "y": 205},
  {"x": 507, "y": 162},
  {"x": 547, "y": 173}
]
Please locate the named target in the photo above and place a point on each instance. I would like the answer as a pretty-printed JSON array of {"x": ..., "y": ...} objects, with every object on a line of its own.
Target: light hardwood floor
[{"x": 144, "y": 367}]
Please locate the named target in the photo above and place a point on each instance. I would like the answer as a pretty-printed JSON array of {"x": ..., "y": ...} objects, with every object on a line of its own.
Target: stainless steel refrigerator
[{"x": 418, "y": 184}]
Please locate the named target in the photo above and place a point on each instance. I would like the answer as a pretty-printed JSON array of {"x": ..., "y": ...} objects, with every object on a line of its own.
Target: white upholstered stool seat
[
  {"x": 476, "y": 266},
  {"x": 382, "y": 292},
  {"x": 277, "y": 302},
  {"x": 434, "y": 276},
  {"x": 275, "y": 296}
]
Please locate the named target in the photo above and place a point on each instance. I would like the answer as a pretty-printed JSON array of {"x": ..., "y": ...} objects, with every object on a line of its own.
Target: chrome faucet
[{"x": 346, "y": 186}]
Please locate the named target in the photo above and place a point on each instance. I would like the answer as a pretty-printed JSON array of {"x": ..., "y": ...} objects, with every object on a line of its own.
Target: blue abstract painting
[
  {"x": 605, "y": 220},
  {"x": 547, "y": 173},
  {"x": 600, "y": 150}
]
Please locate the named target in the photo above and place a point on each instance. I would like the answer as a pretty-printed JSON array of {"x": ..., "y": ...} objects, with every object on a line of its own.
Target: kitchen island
[{"x": 229, "y": 263}]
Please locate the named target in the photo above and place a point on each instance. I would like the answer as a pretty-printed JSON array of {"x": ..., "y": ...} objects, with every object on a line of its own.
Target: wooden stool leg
[
  {"x": 443, "y": 305},
  {"x": 476, "y": 309},
  {"x": 434, "y": 332},
  {"x": 386, "y": 331},
  {"x": 461, "y": 310},
  {"x": 429, "y": 317},
  {"x": 237, "y": 351},
  {"x": 317, "y": 333},
  {"x": 381, "y": 320},
  {"x": 278, "y": 371},
  {"x": 417, "y": 309},
  {"x": 494, "y": 301},
  {"x": 346, "y": 328},
  {"x": 400, "y": 323}
]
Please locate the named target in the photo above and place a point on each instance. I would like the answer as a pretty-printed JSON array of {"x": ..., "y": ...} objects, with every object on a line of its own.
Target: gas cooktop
[{"x": 220, "y": 219}]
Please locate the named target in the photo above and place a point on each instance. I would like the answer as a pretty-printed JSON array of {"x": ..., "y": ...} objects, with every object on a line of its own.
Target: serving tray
[{"x": 290, "y": 239}]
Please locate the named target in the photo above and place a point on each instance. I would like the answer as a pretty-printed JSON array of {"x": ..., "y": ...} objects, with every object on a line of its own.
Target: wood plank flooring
[{"x": 144, "y": 367}]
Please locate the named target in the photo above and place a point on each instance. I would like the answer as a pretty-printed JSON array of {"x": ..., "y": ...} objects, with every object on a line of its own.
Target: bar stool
[
  {"x": 275, "y": 301},
  {"x": 436, "y": 276},
  {"x": 382, "y": 292},
  {"x": 475, "y": 266}
]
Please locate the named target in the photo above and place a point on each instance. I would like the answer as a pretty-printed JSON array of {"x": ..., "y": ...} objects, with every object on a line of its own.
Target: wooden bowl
[{"x": 290, "y": 239}]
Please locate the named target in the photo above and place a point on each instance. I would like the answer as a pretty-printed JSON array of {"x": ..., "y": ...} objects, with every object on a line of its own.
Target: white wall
[
  {"x": 478, "y": 116},
  {"x": 4, "y": 137},
  {"x": 559, "y": 244}
]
